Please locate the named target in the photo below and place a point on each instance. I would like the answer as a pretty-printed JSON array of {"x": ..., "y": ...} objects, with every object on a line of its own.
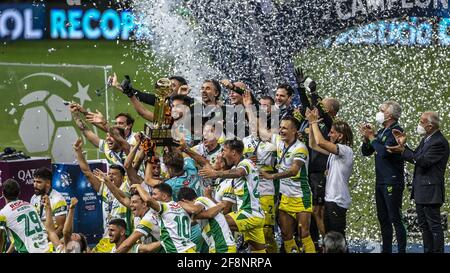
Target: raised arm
[
  {"x": 98, "y": 120},
  {"x": 200, "y": 160},
  {"x": 116, "y": 192},
  {"x": 124, "y": 145},
  {"x": 147, "y": 198},
  {"x": 60, "y": 220},
  {"x": 316, "y": 101},
  {"x": 49, "y": 224},
  {"x": 144, "y": 97},
  {"x": 312, "y": 142},
  {"x": 319, "y": 144},
  {"x": 138, "y": 159},
  {"x": 91, "y": 136},
  {"x": 300, "y": 79},
  {"x": 251, "y": 111},
  {"x": 68, "y": 225},
  {"x": 84, "y": 166},
  {"x": 133, "y": 177},
  {"x": 141, "y": 110}
]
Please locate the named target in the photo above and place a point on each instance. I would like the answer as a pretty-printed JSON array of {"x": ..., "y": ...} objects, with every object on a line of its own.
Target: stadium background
[{"x": 362, "y": 73}]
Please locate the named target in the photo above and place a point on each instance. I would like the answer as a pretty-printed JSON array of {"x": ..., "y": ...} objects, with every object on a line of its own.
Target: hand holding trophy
[{"x": 158, "y": 132}]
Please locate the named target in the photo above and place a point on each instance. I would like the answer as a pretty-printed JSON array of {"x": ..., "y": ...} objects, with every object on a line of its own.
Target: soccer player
[
  {"x": 182, "y": 172},
  {"x": 223, "y": 189},
  {"x": 263, "y": 154},
  {"x": 210, "y": 147},
  {"x": 20, "y": 220},
  {"x": 112, "y": 207},
  {"x": 42, "y": 184},
  {"x": 174, "y": 221},
  {"x": 117, "y": 233},
  {"x": 147, "y": 231},
  {"x": 215, "y": 229},
  {"x": 296, "y": 201},
  {"x": 249, "y": 217}
]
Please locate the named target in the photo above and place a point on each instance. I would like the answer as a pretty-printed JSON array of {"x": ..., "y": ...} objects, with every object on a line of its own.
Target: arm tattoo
[
  {"x": 233, "y": 173},
  {"x": 285, "y": 174},
  {"x": 79, "y": 121}
]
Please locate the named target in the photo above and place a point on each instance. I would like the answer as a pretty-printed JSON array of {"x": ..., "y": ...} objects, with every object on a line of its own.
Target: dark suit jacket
[{"x": 430, "y": 160}]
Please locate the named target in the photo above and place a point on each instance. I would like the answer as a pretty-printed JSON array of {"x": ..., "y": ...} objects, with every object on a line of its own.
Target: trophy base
[{"x": 159, "y": 136}]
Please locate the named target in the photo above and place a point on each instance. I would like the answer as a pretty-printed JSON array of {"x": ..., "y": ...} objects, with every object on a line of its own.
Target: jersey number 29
[{"x": 35, "y": 224}]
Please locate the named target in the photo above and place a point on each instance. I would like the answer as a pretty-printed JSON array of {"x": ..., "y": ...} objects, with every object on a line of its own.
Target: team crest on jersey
[{"x": 186, "y": 183}]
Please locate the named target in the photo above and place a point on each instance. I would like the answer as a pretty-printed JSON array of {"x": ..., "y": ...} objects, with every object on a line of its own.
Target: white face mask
[
  {"x": 379, "y": 117},
  {"x": 421, "y": 130}
]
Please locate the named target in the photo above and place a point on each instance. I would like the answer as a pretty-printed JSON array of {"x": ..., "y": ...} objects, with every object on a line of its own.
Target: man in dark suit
[{"x": 430, "y": 159}]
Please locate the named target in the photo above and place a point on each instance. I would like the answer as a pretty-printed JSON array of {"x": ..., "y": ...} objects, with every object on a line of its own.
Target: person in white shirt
[
  {"x": 42, "y": 183},
  {"x": 339, "y": 169},
  {"x": 19, "y": 220}
]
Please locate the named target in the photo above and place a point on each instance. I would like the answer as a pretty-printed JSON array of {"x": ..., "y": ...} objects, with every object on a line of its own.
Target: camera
[{"x": 127, "y": 87}]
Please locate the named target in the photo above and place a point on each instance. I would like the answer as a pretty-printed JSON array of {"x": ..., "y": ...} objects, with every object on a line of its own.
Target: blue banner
[
  {"x": 24, "y": 21},
  {"x": 71, "y": 182}
]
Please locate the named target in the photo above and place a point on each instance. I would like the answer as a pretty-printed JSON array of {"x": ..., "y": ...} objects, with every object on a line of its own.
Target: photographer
[{"x": 317, "y": 161}]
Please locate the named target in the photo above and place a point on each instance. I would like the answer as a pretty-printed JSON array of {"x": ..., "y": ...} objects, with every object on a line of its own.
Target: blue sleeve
[{"x": 189, "y": 166}]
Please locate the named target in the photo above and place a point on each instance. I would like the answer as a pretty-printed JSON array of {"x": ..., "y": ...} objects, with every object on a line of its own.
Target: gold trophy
[{"x": 159, "y": 131}]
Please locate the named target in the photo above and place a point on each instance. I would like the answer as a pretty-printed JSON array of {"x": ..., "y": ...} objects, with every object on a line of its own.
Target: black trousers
[
  {"x": 429, "y": 219},
  {"x": 388, "y": 199},
  {"x": 335, "y": 218}
]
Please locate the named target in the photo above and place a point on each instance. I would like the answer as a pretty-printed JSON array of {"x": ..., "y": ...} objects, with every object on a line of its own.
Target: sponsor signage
[
  {"x": 52, "y": 21},
  {"x": 411, "y": 32}
]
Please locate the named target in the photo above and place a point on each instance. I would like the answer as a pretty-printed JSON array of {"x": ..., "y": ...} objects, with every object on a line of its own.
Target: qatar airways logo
[
  {"x": 347, "y": 9},
  {"x": 27, "y": 176}
]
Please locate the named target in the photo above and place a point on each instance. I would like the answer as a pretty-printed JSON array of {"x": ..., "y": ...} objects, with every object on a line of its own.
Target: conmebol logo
[{"x": 21, "y": 22}]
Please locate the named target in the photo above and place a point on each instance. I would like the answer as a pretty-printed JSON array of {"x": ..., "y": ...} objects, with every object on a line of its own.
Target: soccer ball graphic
[{"x": 42, "y": 126}]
